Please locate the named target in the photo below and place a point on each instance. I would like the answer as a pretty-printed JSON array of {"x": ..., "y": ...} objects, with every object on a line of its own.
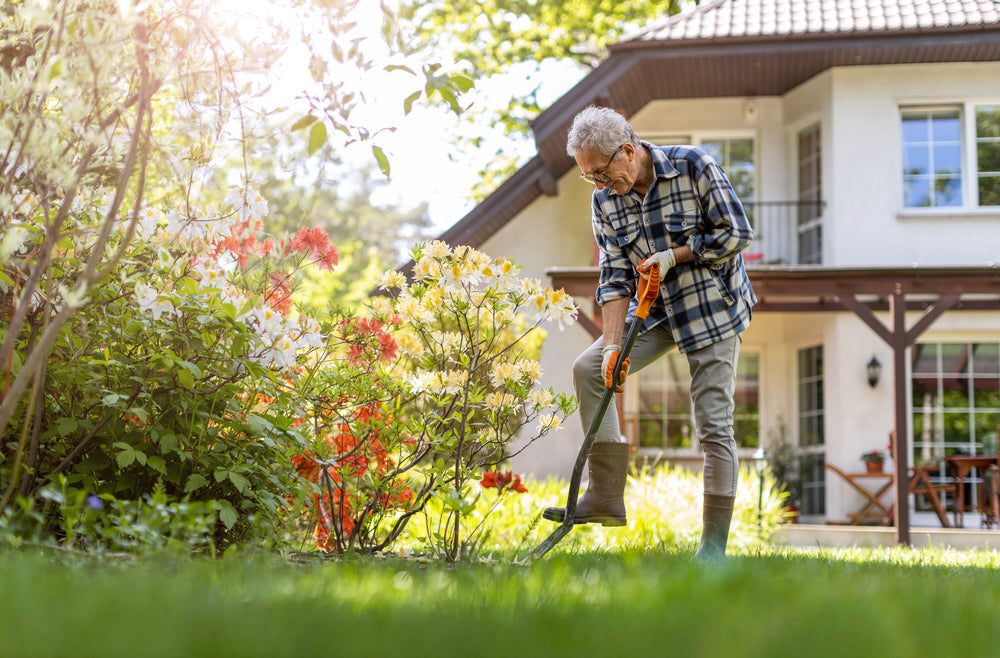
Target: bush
[{"x": 664, "y": 510}]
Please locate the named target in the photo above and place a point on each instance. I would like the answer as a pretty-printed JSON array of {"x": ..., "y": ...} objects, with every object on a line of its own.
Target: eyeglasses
[{"x": 600, "y": 176}]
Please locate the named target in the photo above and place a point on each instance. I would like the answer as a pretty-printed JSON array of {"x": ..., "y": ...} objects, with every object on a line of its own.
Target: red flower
[{"x": 502, "y": 481}]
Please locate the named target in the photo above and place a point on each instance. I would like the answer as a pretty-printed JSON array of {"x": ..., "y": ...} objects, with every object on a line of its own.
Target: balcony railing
[{"x": 785, "y": 232}]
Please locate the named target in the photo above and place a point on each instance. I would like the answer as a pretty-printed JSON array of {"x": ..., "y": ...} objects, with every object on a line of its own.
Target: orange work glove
[{"x": 611, "y": 354}]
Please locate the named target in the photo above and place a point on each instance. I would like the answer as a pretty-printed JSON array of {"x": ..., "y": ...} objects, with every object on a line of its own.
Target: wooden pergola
[{"x": 929, "y": 291}]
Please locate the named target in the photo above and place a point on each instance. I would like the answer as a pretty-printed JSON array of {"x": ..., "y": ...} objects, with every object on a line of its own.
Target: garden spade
[{"x": 649, "y": 285}]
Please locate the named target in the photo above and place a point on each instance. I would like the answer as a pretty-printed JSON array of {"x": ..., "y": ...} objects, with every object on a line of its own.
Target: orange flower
[{"x": 502, "y": 481}]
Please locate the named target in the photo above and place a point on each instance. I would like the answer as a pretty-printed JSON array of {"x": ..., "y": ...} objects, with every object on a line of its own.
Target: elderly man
[{"x": 672, "y": 205}]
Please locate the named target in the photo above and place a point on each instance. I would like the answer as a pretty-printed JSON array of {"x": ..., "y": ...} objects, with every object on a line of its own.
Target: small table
[
  {"x": 961, "y": 466},
  {"x": 919, "y": 483},
  {"x": 874, "y": 507}
]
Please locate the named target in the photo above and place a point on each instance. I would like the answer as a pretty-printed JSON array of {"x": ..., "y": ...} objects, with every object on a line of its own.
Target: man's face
[{"x": 618, "y": 175}]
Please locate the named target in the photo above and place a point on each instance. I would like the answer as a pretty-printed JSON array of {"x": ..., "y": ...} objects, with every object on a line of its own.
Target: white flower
[
  {"x": 437, "y": 249},
  {"x": 426, "y": 268},
  {"x": 540, "y": 399},
  {"x": 410, "y": 344},
  {"x": 211, "y": 275},
  {"x": 390, "y": 279},
  {"x": 149, "y": 301},
  {"x": 149, "y": 221},
  {"x": 282, "y": 352},
  {"x": 422, "y": 380},
  {"x": 531, "y": 369},
  {"x": 499, "y": 400},
  {"x": 13, "y": 241},
  {"x": 503, "y": 372}
]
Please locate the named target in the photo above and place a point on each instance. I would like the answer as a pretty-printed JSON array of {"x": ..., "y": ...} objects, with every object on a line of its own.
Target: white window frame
[{"x": 970, "y": 167}]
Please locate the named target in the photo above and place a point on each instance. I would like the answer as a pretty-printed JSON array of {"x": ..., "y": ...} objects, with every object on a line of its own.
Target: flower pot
[{"x": 874, "y": 467}]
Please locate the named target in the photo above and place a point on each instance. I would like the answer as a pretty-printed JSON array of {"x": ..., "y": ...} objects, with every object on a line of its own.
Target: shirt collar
[{"x": 662, "y": 167}]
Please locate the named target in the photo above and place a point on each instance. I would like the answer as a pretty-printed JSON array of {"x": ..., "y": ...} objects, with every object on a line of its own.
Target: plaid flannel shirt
[{"x": 691, "y": 202}]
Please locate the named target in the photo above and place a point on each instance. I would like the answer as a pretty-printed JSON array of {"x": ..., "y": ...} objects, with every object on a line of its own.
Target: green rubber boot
[
  {"x": 717, "y": 514},
  {"x": 604, "y": 500}
]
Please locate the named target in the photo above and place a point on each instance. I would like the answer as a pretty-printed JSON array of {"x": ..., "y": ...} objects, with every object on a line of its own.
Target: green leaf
[
  {"x": 111, "y": 399},
  {"x": 383, "y": 162},
  {"x": 410, "y": 100},
  {"x": 195, "y": 481},
  {"x": 66, "y": 425},
  {"x": 241, "y": 483},
  {"x": 227, "y": 514},
  {"x": 126, "y": 457},
  {"x": 463, "y": 82},
  {"x": 304, "y": 122},
  {"x": 185, "y": 378},
  {"x": 317, "y": 137},
  {"x": 157, "y": 464}
]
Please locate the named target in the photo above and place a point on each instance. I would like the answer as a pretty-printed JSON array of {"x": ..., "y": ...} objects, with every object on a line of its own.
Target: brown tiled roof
[{"x": 737, "y": 19}]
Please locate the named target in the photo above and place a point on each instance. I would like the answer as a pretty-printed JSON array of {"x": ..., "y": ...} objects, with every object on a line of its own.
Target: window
[
  {"x": 932, "y": 158},
  {"x": 955, "y": 404},
  {"x": 810, "y": 227},
  {"x": 811, "y": 432},
  {"x": 737, "y": 159},
  {"x": 666, "y": 417},
  {"x": 988, "y": 154},
  {"x": 956, "y": 399},
  {"x": 948, "y": 164}
]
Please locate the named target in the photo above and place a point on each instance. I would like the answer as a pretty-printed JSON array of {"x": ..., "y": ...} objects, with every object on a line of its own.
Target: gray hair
[{"x": 599, "y": 128}]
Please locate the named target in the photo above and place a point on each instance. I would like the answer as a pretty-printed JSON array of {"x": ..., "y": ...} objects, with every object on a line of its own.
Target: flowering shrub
[{"x": 470, "y": 384}]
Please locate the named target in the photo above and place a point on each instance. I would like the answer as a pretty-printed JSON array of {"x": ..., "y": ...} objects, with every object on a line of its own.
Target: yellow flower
[
  {"x": 503, "y": 372},
  {"x": 410, "y": 343},
  {"x": 437, "y": 249},
  {"x": 426, "y": 268},
  {"x": 531, "y": 369},
  {"x": 547, "y": 422},
  {"x": 540, "y": 399},
  {"x": 499, "y": 400},
  {"x": 390, "y": 279}
]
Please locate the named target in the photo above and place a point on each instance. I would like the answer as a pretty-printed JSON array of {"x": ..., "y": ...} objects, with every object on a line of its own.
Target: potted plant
[
  {"x": 873, "y": 460},
  {"x": 783, "y": 460}
]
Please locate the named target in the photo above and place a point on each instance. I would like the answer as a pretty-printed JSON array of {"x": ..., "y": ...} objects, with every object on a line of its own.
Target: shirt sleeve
[
  {"x": 728, "y": 230},
  {"x": 617, "y": 275}
]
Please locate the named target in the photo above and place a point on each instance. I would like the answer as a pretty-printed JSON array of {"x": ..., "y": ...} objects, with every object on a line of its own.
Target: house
[{"x": 864, "y": 139}]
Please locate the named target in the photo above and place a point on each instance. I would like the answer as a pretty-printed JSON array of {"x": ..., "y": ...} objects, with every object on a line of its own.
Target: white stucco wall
[{"x": 865, "y": 223}]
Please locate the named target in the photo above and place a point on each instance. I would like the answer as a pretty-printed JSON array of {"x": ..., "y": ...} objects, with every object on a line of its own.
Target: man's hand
[
  {"x": 609, "y": 354},
  {"x": 665, "y": 259}
]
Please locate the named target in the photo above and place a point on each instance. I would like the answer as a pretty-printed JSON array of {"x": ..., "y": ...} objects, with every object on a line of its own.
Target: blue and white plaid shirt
[{"x": 691, "y": 202}]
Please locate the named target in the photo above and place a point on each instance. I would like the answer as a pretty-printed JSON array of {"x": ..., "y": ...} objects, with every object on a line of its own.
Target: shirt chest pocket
[{"x": 629, "y": 236}]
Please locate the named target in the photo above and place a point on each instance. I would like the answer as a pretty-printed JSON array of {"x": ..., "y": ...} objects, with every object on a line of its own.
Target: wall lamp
[{"x": 874, "y": 369}]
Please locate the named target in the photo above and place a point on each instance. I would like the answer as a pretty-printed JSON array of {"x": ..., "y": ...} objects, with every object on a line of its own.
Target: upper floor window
[{"x": 949, "y": 162}]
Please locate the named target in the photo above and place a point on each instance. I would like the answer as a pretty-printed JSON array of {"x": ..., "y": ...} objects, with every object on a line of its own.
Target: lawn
[{"x": 766, "y": 602}]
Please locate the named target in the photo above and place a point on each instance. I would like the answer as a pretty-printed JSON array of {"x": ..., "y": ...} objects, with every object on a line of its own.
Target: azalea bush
[{"x": 420, "y": 431}]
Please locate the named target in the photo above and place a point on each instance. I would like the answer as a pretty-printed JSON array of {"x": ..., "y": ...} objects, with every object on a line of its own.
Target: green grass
[{"x": 655, "y": 603}]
